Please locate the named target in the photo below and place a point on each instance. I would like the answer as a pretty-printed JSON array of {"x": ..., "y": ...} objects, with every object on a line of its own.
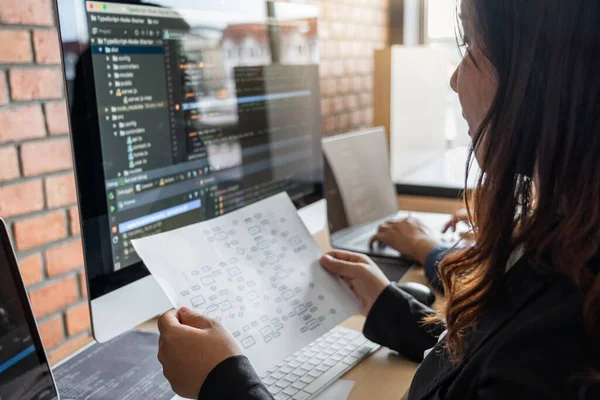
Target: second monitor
[{"x": 181, "y": 112}]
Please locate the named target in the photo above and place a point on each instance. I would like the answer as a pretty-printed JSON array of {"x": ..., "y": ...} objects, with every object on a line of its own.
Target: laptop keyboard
[{"x": 307, "y": 372}]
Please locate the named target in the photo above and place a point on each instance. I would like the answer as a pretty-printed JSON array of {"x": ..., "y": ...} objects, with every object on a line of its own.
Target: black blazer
[{"x": 529, "y": 345}]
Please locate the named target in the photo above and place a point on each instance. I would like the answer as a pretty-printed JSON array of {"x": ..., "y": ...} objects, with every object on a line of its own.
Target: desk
[{"x": 384, "y": 375}]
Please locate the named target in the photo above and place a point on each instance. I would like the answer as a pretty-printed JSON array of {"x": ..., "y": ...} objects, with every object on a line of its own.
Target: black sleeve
[
  {"x": 234, "y": 379},
  {"x": 395, "y": 322}
]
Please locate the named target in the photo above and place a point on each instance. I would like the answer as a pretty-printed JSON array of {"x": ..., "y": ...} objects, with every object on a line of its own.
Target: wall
[{"x": 37, "y": 190}]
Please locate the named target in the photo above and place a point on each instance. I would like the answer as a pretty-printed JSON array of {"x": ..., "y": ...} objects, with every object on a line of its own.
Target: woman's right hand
[{"x": 360, "y": 273}]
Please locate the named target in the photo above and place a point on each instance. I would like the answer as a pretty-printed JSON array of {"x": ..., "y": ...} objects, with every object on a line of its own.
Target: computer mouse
[{"x": 420, "y": 292}]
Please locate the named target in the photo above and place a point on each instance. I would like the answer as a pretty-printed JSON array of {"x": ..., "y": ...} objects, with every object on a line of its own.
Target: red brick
[
  {"x": 326, "y": 107},
  {"x": 365, "y": 99},
  {"x": 37, "y": 231},
  {"x": 45, "y": 44},
  {"x": 15, "y": 46},
  {"x": 338, "y": 104},
  {"x": 52, "y": 332},
  {"x": 356, "y": 84},
  {"x": 325, "y": 69},
  {"x": 343, "y": 85},
  {"x": 68, "y": 349},
  {"x": 367, "y": 117},
  {"x": 328, "y": 125},
  {"x": 351, "y": 102},
  {"x": 60, "y": 190},
  {"x": 328, "y": 87},
  {"x": 47, "y": 156},
  {"x": 21, "y": 123},
  {"x": 3, "y": 89},
  {"x": 64, "y": 258},
  {"x": 74, "y": 221},
  {"x": 35, "y": 83},
  {"x": 26, "y": 12},
  {"x": 21, "y": 198},
  {"x": 9, "y": 163},
  {"x": 78, "y": 319},
  {"x": 342, "y": 121},
  {"x": 31, "y": 269},
  {"x": 55, "y": 296},
  {"x": 355, "y": 120},
  {"x": 367, "y": 83},
  {"x": 337, "y": 68},
  {"x": 83, "y": 284},
  {"x": 56, "y": 117}
]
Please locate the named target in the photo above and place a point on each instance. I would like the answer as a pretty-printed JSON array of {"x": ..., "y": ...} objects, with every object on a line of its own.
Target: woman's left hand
[
  {"x": 190, "y": 347},
  {"x": 409, "y": 236}
]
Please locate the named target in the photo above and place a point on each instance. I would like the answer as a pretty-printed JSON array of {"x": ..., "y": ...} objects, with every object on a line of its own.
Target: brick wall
[{"x": 37, "y": 190}]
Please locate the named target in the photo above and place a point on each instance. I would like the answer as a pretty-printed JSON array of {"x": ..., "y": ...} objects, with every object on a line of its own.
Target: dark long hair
[{"x": 541, "y": 157}]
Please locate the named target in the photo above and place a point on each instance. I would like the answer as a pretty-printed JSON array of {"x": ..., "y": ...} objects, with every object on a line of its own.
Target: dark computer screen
[
  {"x": 24, "y": 372},
  {"x": 185, "y": 110}
]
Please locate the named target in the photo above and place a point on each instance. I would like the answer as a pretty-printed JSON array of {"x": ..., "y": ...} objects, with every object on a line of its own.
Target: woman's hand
[
  {"x": 458, "y": 216},
  {"x": 190, "y": 346},
  {"x": 360, "y": 273},
  {"x": 408, "y": 236}
]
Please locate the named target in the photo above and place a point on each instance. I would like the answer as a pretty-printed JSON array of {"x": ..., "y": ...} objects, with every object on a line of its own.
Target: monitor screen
[
  {"x": 183, "y": 110},
  {"x": 24, "y": 371}
]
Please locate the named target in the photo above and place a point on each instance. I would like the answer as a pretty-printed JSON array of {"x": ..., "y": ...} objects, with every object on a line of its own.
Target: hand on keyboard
[{"x": 409, "y": 236}]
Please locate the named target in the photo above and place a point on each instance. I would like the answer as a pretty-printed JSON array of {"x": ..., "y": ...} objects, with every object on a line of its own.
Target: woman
[{"x": 523, "y": 302}]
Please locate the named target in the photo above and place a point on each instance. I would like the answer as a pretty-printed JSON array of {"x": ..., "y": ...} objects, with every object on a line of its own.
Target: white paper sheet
[
  {"x": 339, "y": 390},
  {"x": 359, "y": 162},
  {"x": 257, "y": 271}
]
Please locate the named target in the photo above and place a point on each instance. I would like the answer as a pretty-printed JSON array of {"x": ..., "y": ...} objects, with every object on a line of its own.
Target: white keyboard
[{"x": 307, "y": 372}]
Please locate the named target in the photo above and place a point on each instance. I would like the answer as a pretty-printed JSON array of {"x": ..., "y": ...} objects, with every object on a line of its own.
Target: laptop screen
[{"x": 24, "y": 370}]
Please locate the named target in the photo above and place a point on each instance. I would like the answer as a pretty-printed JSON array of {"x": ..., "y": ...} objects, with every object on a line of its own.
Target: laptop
[
  {"x": 361, "y": 194},
  {"x": 25, "y": 373}
]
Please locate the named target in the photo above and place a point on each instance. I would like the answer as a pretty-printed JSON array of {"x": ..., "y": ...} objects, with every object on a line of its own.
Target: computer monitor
[
  {"x": 180, "y": 111},
  {"x": 24, "y": 370}
]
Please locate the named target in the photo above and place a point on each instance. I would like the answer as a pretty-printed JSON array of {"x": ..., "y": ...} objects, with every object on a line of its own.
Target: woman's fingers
[{"x": 340, "y": 267}]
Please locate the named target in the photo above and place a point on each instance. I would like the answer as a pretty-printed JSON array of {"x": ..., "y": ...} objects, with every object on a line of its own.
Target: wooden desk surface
[{"x": 384, "y": 375}]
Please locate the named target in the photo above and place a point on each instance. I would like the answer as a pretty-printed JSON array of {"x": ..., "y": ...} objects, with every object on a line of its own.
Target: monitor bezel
[
  {"x": 84, "y": 131},
  {"x": 15, "y": 272}
]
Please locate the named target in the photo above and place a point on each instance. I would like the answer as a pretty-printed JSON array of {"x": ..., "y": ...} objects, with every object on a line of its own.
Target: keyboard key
[
  {"x": 286, "y": 369},
  {"x": 294, "y": 364},
  {"x": 281, "y": 396},
  {"x": 325, "y": 379},
  {"x": 282, "y": 383},
  {"x": 298, "y": 385},
  {"x": 350, "y": 360},
  {"x": 291, "y": 378},
  {"x": 299, "y": 371},
  {"x": 315, "y": 374},
  {"x": 290, "y": 391},
  {"x": 277, "y": 375},
  {"x": 301, "y": 395},
  {"x": 302, "y": 358},
  {"x": 330, "y": 362},
  {"x": 274, "y": 390},
  {"x": 308, "y": 365},
  {"x": 323, "y": 368},
  {"x": 269, "y": 380},
  {"x": 307, "y": 379}
]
